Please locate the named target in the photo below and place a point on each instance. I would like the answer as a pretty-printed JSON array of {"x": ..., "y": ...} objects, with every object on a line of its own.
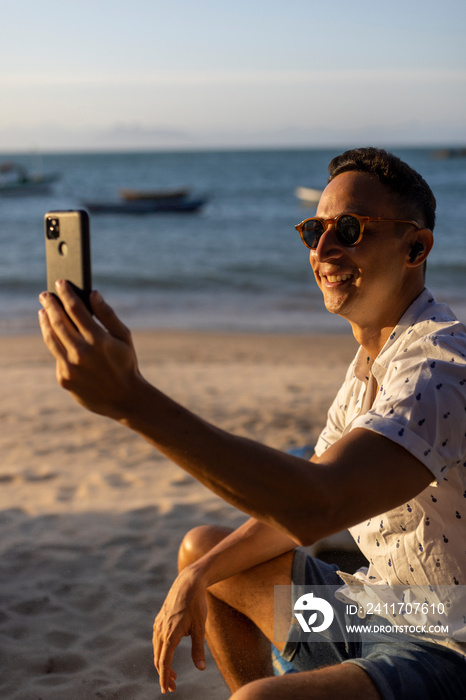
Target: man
[{"x": 389, "y": 463}]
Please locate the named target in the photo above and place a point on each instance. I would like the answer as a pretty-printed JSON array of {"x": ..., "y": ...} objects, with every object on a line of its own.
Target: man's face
[{"x": 363, "y": 283}]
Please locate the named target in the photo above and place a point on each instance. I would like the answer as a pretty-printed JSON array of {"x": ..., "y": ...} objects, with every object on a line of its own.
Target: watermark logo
[
  {"x": 310, "y": 603},
  {"x": 360, "y": 611}
]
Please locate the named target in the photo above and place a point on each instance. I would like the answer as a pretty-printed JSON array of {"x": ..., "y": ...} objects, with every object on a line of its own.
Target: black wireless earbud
[{"x": 416, "y": 250}]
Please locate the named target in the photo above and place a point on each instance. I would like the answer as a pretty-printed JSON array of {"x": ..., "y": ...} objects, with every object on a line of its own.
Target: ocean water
[{"x": 238, "y": 264}]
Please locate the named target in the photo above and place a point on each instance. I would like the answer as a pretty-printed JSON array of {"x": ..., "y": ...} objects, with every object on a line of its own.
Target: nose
[{"x": 328, "y": 247}]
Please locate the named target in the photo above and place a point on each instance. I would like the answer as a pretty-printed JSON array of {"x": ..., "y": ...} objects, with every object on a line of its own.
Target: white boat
[
  {"x": 308, "y": 195},
  {"x": 16, "y": 181}
]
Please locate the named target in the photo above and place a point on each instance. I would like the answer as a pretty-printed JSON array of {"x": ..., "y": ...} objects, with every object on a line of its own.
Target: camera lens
[{"x": 53, "y": 228}]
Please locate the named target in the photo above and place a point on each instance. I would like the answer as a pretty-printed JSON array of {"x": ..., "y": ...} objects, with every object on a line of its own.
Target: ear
[{"x": 420, "y": 247}]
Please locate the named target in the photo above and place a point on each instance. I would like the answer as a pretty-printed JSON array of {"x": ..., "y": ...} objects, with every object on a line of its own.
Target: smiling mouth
[{"x": 337, "y": 278}]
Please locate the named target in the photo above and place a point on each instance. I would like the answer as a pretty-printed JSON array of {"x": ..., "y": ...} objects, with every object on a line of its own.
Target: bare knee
[
  {"x": 256, "y": 690},
  {"x": 198, "y": 542}
]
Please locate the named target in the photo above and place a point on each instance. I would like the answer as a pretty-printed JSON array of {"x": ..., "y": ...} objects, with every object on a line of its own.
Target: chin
[{"x": 337, "y": 306}]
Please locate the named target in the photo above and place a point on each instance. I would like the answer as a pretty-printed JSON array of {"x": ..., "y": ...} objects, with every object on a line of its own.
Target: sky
[{"x": 149, "y": 74}]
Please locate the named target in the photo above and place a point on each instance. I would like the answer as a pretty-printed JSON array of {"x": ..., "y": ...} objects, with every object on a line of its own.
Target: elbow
[
  {"x": 306, "y": 529},
  {"x": 314, "y": 509},
  {"x": 304, "y": 540},
  {"x": 306, "y": 536},
  {"x": 309, "y": 522}
]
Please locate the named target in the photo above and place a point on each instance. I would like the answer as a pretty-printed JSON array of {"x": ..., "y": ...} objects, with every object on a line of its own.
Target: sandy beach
[{"x": 91, "y": 516}]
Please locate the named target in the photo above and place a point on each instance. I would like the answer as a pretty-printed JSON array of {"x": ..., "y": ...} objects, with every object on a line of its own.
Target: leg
[
  {"x": 343, "y": 680},
  {"x": 240, "y": 616}
]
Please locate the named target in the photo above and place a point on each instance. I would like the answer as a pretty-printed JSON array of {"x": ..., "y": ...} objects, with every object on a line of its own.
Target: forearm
[
  {"x": 259, "y": 480},
  {"x": 251, "y": 544}
]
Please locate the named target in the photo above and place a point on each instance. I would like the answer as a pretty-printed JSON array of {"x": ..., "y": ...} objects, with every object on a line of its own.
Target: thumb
[
  {"x": 197, "y": 650},
  {"x": 108, "y": 318}
]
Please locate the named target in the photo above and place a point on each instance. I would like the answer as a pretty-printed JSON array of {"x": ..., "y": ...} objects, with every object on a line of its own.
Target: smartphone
[{"x": 68, "y": 250}]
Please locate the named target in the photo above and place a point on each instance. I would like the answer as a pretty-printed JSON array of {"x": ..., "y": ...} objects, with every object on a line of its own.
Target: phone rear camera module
[{"x": 53, "y": 228}]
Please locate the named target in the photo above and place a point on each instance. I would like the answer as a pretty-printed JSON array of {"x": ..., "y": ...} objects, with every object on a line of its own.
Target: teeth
[{"x": 338, "y": 278}]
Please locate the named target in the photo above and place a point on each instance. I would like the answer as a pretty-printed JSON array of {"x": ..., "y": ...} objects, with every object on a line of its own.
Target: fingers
[
  {"x": 82, "y": 320},
  {"x": 50, "y": 339},
  {"x": 108, "y": 317},
  {"x": 97, "y": 368},
  {"x": 53, "y": 315},
  {"x": 167, "y": 675},
  {"x": 165, "y": 651},
  {"x": 69, "y": 319},
  {"x": 54, "y": 345},
  {"x": 163, "y": 658},
  {"x": 197, "y": 648}
]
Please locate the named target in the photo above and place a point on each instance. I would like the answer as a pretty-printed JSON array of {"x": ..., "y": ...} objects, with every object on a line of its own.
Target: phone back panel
[{"x": 67, "y": 248}]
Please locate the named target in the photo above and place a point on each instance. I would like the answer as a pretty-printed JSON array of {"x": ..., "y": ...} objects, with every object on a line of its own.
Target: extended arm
[{"x": 360, "y": 476}]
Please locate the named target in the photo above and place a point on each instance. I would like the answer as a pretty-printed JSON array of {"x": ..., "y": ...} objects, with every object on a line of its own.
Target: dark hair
[{"x": 410, "y": 188}]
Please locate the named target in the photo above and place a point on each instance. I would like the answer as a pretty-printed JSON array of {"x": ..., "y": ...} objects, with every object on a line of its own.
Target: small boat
[
  {"x": 15, "y": 181},
  {"x": 130, "y": 195},
  {"x": 146, "y": 206},
  {"x": 308, "y": 195},
  {"x": 444, "y": 153}
]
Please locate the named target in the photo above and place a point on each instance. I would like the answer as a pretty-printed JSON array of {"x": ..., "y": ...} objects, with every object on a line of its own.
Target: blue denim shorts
[{"x": 400, "y": 670}]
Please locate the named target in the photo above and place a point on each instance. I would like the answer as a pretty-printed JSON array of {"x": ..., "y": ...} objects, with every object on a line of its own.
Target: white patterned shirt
[{"x": 414, "y": 393}]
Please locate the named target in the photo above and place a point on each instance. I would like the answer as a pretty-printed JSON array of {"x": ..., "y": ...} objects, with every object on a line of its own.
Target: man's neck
[
  {"x": 372, "y": 336},
  {"x": 372, "y": 339}
]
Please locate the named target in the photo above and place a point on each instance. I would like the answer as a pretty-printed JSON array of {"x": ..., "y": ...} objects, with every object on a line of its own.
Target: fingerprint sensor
[{"x": 63, "y": 248}]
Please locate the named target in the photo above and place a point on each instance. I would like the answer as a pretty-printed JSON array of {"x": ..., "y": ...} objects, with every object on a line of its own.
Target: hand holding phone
[{"x": 67, "y": 251}]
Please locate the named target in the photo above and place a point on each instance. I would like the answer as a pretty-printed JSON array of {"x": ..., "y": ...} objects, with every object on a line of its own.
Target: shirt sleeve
[
  {"x": 421, "y": 406},
  {"x": 336, "y": 418}
]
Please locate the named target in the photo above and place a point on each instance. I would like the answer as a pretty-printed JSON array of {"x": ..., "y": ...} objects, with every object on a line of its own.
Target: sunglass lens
[
  {"x": 312, "y": 231},
  {"x": 348, "y": 230}
]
